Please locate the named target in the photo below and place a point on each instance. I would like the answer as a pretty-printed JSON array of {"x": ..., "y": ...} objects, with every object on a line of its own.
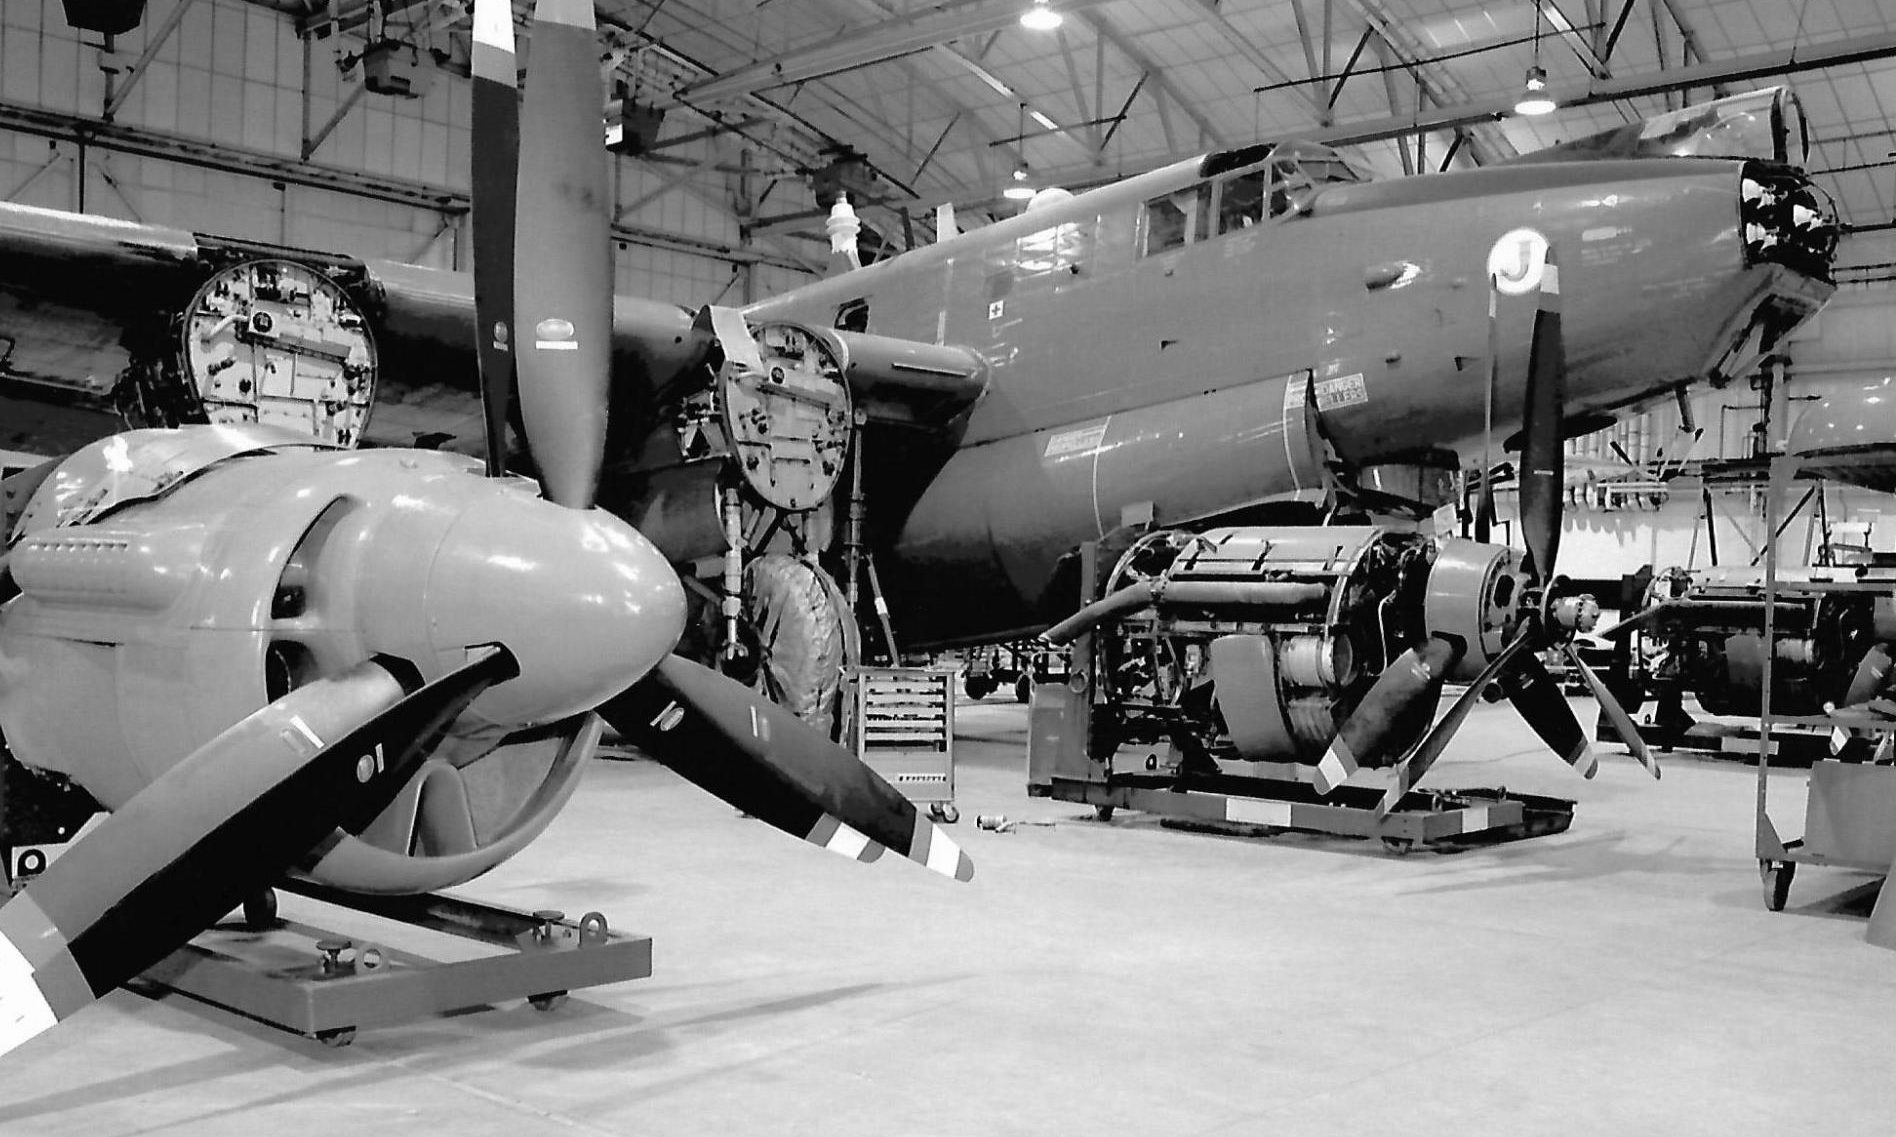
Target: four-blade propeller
[
  {"x": 1391, "y": 714},
  {"x": 718, "y": 734}
]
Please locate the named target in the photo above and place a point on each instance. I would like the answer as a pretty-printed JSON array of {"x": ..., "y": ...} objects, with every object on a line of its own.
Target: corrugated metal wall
[{"x": 235, "y": 73}]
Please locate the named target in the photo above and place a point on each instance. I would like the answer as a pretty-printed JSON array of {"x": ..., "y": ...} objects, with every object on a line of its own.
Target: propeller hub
[
  {"x": 1576, "y": 613},
  {"x": 584, "y": 602}
]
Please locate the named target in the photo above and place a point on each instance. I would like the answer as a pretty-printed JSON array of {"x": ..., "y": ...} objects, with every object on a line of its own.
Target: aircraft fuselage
[{"x": 1132, "y": 380}]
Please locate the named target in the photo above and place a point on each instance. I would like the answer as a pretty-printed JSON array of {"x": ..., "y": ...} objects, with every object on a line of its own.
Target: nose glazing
[{"x": 585, "y": 603}]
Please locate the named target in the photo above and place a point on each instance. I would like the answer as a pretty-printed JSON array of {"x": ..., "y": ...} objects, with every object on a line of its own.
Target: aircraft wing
[{"x": 83, "y": 298}]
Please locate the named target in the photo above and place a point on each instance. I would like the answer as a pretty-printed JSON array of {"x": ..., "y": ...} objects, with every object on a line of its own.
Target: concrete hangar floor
[{"x": 1621, "y": 978}]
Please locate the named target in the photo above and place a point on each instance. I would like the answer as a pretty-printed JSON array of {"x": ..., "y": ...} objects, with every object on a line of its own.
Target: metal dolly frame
[
  {"x": 1850, "y": 807},
  {"x": 337, "y": 986},
  {"x": 1423, "y": 819}
]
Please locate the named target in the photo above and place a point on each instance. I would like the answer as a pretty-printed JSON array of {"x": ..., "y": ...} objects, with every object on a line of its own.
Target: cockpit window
[
  {"x": 1176, "y": 219},
  {"x": 1241, "y": 200},
  {"x": 1329, "y": 170},
  {"x": 1270, "y": 189},
  {"x": 853, "y": 316},
  {"x": 1246, "y": 198}
]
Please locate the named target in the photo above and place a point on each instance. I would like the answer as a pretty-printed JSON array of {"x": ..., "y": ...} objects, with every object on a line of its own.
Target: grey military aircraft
[{"x": 1202, "y": 371}]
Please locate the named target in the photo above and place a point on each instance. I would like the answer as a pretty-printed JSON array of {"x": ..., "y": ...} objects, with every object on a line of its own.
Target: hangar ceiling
[{"x": 947, "y": 98}]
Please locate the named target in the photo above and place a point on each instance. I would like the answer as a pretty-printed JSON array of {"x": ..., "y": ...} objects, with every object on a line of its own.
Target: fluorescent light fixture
[
  {"x": 1041, "y": 18},
  {"x": 1534, "y": 97}
]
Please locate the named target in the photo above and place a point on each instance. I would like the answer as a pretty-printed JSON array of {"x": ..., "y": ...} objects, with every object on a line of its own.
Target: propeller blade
[
  {"x": 1623, "y": 724},
  {"x": 1414, "y": 679},
  {"x": 1411, "y": 771},
  {"x": 1540, "y": 701},
  {"x": 1869, "y": 677},
  {"x": 494, "y": 159},
  {"x": 1484, "y": 504},
  {"x": 743, "y": 748},
  {"x": 219, "y": 827},
  {"x": 1543, "y": 445},
  {"x": 1871, "y": 671},
  {"x": 563, "y": 265}
]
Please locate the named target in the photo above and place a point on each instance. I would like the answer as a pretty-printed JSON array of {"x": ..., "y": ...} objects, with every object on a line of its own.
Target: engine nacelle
[{"x": 171, "y": 582}]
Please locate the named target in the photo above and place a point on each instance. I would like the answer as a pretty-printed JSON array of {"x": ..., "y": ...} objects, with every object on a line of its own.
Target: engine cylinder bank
[{"x": 1316, "y": 661}]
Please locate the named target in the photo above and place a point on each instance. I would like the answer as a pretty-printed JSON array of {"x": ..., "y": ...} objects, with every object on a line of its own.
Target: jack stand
[
  {"x": 1791, "y": 746},
  {"x": 312, "y": 982}
]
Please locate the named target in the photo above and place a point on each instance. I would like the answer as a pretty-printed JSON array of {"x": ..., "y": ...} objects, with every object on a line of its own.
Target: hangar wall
[
  {"x": 1852, "y": 340},
  {"x": 237, "y": 74}
]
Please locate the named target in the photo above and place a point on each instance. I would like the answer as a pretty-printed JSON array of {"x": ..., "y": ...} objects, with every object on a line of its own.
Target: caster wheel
[
  {"x": 1023, "y": 689},
  {"x": 944, "y": 812},
  {"x": 547, "y": 1002},
  {"x": 1398, "y": 846},
  {"x": 260, "y": 911},
  {"x": 1776, "y": 877},
  {"x": 1103, "y": 812},
  {"x": 338, "y": 1038}
]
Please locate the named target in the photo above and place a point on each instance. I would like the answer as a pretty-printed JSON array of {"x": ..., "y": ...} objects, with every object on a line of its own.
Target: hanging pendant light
[
  {"x": 1021, "y": 188},
  {"x": 1534, "y": 98},
  {"x": 1041, "y": 18}
]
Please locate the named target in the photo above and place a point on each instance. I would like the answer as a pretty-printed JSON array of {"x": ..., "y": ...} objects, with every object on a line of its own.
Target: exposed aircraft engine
[
  {"x": 265, "y": 341},
  {"x": 1705, "y": 634},
  {"x": 1787, "y": 220},
  {"x": 1251, "y": 645},
  {"x": 778, "y": 410}
]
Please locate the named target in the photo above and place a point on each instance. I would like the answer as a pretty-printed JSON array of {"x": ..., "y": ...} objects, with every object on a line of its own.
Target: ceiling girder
[
  {"x": 349, "y": 17},
  {"x": 1689, "y": 35},
  {"x": 1605, "y": 50},
  {"x": 1583, "y": 48},
  {"x": 1485, "y": 144},
  {"x": 1308, "y": 42},
  {"x": 76, "y": 129},
  {"x": 1255, "y": 56},
  {"x": 154, "y": 41},
  {"x": 1155, "y": 77},
  {"x": 1761, "y": 65},
  {"x": 899, "y": 35}
]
